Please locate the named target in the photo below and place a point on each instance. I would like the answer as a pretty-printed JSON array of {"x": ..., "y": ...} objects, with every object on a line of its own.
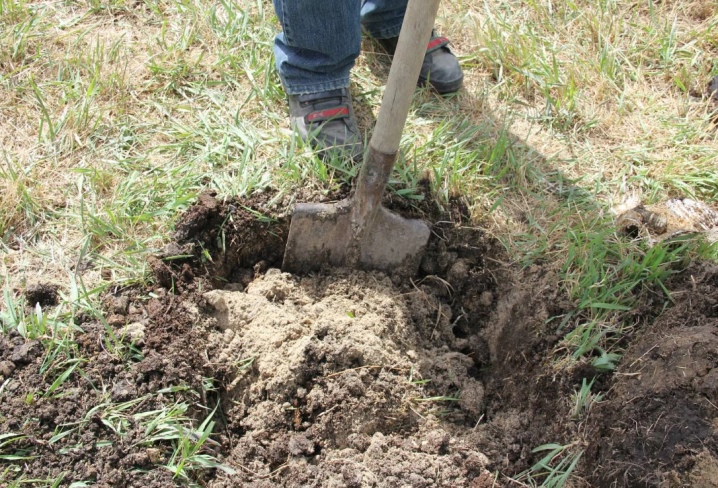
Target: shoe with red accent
[
  {"x": 441, "y": 69},
  {"x": 326, "y": 120}
]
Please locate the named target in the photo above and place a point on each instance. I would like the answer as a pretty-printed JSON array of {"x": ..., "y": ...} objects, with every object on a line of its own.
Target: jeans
[{"x": 321, "y": 39}]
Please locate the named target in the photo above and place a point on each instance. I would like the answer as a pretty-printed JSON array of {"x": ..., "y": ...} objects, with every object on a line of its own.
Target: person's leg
[
  {"x": 382, "y": 20},
  {"x": 319, "y": 42},
  {"x": 314, "y": 53}
]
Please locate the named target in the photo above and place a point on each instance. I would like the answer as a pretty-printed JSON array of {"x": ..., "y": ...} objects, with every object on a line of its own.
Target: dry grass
[{"x": 116, "y": 114}]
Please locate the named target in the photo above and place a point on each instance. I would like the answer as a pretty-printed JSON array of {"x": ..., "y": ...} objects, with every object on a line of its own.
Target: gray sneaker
[
  {"x": 441, "y": 69},
  {"x": 326, "y": 120}
]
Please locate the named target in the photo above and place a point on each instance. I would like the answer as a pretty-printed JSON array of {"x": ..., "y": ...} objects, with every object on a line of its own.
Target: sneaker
[
  {"x": 440, "y": 68},
  {"x": 326, "y": 120}
]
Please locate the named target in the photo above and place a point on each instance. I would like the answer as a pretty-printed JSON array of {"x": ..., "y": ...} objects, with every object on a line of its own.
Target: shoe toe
[
  {"x": 337, "y": 139},
  {"x": 326, "y": 121},
  {"x": 442, "y": 71}
]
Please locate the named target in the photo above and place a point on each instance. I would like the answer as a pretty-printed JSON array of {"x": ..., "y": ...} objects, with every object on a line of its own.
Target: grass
[
  {"x": 584, "y": 399},
  {"x": 554, "y": 469},
  {"x": 181, "y": 447},
  {"x": 117, "y": 115}
]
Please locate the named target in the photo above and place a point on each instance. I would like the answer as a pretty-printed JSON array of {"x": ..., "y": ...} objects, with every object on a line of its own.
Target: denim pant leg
[
  {"x": 382, "y": 19},
  {"x": 321, "y": 39},
  {"x": 319, "y": 42}
]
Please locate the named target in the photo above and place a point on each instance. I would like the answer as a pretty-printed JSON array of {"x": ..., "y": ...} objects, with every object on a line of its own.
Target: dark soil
[
  {"x": 168, "y": 358},
  {"x": 43, "y": 293},
  {"x": 660, "y": 420},
  {"x": 657, "y": 426}
]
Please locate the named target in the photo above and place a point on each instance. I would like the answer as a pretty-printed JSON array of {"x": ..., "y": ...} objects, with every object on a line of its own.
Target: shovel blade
[
  {"x": 321, "y": 234},
  {"x": 394, "y": 244},
  {"x": 318, "y": 234}
]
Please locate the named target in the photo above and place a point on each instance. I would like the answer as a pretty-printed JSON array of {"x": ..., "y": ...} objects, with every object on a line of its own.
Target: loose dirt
[
  {"x": 335, "y": 382},
  {"x": 659, "y": 423},
  {"x": 350, "y": 378}
]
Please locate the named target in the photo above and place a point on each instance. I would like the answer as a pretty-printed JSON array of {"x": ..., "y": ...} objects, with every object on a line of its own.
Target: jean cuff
[
  {"x": 307, "y": 88},
  {"x": 385, "y": 32}
]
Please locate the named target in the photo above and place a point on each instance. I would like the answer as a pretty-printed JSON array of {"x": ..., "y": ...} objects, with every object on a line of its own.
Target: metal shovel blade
[{"x": 322, "y": 234}]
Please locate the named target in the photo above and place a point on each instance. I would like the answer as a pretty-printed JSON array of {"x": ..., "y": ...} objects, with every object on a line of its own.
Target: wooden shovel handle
[
  {"x": 384, "y": 145},
  {"x": 404, "y": 73}
]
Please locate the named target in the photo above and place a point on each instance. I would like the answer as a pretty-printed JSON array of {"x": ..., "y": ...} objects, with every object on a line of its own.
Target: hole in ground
[
  {"x": 348, "y": 378},
  {"x": 349, "y": 368}
]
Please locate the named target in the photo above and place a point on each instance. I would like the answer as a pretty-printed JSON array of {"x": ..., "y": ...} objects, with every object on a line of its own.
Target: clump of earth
[
  {"x": 344, "y": 381},
  {"x": 353, "y": 378}
]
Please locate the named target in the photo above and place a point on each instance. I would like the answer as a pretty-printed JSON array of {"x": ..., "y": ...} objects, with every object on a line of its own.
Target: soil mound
[{"x": 342, "y": 383}]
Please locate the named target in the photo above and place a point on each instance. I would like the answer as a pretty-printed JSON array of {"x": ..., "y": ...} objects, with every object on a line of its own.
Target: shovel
[{"x": 359, "y": 232}]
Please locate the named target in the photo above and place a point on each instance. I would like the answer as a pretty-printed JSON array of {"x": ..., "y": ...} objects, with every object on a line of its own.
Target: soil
[
  {"x": 43, "y": 293},
  {"x": 352, "y": 378},
  {"x": 659, "y": 424}
]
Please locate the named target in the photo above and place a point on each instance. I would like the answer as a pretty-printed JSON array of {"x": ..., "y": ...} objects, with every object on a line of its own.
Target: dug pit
[{"x": 351, "y": 378}]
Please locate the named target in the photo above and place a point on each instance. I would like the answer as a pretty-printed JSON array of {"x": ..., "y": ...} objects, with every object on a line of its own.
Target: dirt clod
[
  {"x": 6, "y": 368},
  {"x": 120, "y": 305},
  {"x": 713, "y": 89},
  {"x": 26, "y": 352},
  {"x": 162, "y": 273},
  {"x": 135, "y": 332},
  {"x": 44, "y": 294},
  {"x": 116, "y": 320},
  {"x": 123, "y": 390}
]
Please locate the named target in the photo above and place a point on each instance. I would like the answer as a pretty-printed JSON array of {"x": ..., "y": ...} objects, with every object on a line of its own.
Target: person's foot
[
  {"x": 440, "y": 69},
  {"x": 326, "y": 120}
]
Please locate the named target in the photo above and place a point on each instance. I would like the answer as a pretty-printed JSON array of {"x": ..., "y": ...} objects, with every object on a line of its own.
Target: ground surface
[
  {"x": 560, "y": 332},
  {"x": 349, "y": 379}
]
